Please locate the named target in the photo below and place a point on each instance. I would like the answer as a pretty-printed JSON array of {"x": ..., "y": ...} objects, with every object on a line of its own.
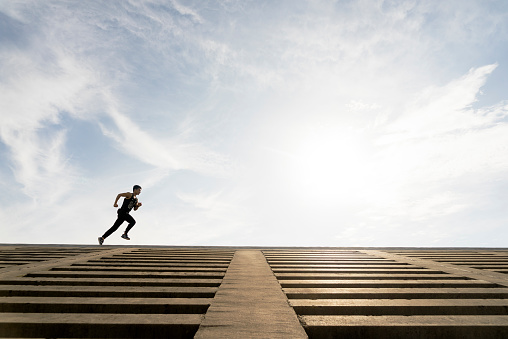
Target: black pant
[{"x": 122, "y": 216}]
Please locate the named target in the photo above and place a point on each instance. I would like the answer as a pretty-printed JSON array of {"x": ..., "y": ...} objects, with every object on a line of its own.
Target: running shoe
[
  {"x": 101, "y": 240},
  {"x": 125, "y": 237}
]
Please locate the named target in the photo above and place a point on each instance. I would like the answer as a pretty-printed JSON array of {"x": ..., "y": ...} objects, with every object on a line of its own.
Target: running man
[{"x": 129, "y": 202}]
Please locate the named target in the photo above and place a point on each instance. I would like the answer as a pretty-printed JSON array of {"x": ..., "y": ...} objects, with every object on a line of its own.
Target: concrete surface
[{"x": 226, "y": 292}]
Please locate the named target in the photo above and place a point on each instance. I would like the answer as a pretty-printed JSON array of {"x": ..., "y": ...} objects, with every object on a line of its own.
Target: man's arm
[{"x": 125, "y": 195}]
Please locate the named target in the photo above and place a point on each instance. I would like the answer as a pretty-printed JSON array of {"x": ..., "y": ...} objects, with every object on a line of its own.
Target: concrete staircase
[
  {"x": 395, "y": 294},
  {"x": 122, "y": 292},
  {"x": 169, "y": 292}
]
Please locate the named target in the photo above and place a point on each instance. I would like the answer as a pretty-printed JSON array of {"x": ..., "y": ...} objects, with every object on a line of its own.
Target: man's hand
[
  {"x": 139, "y": 204},
  {"x": 115, "y": 205}
]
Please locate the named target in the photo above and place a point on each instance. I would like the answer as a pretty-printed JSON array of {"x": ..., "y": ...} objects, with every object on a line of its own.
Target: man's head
[{"x": 136, "y": 189}]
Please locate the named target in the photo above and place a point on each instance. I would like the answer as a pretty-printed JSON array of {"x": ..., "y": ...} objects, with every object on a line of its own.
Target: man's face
[{"x": 137, "y": 191}]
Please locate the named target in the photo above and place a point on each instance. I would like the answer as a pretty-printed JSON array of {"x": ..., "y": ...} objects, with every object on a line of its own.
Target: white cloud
[
  {"x": 440, "y": 135},
  {"x": 185, "y": 10},
  {"x": 164, "y": 153},
  {"x": 436, "y": 152},
  {"x": 446, "y": 109},
  {"x": 32, "y": 99}
]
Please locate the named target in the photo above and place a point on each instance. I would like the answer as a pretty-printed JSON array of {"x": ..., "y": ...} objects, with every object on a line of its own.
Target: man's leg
[
  {"x": 121, "y": 218},
  {"x": 131, "y": 222}
]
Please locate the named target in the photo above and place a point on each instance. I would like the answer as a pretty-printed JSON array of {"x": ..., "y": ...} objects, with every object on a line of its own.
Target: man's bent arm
[{"x": 125, "y": 195}]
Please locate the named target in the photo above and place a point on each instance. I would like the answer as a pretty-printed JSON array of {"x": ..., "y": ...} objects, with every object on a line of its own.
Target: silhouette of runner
[{"x": 129, "y": 202}]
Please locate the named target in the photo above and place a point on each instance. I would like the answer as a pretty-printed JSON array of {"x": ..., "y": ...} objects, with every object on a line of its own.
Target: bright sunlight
[{"x": 330, "y": 166}]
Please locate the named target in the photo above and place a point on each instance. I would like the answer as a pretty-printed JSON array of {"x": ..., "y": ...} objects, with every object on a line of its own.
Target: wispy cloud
[
  {"x": 448, "y": 108},
  {"x": 446, "y": 131},
  {"x": 37, "y": 93},
  {"x": 169, "y": 153},
  {"x": 184, "y": 10},
  {"x": 32, "y": 100}
]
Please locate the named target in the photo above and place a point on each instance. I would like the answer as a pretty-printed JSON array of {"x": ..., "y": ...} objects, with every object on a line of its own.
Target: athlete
[{"x": 130, "y": 202}]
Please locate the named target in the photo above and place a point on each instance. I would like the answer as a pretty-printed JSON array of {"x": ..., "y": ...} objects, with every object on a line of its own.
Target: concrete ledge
[
  {"x": 338, "y": 264},
  {"x": 46, "y": 281},
  {"x": 374, "y": 283},
  {"x": 396, "y": 293},
  {"x": 136, "y": 263},
  {"x": 105, "y": 305},
  {"x": 389, "y": 327},
  {"x": 361, "y": 270},
  {"x": 30, "y": 325},
  {"x": 360, "y": 275},
  {"x": 148, "y": 275},
  {"x": 158, "y": 269},
  {"x": 400, "y": 307},
  {"x": 106, "y": 291}
]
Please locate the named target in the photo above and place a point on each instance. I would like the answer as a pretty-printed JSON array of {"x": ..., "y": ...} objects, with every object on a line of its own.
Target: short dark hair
[{"x": 135, "y": 187}]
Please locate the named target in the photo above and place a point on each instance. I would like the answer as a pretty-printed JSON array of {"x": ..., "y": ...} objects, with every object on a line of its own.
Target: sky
[{"x": 255, "y": 123}]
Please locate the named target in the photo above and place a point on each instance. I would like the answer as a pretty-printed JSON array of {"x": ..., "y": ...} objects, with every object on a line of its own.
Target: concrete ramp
[{"x": 250, "y": 303}]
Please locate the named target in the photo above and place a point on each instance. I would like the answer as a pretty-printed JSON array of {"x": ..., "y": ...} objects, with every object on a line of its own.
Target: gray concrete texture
[{"x": 224, "y": 292}]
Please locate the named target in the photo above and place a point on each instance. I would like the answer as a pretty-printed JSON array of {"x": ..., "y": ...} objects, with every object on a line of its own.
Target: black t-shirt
[{"x": 128, "y": 204}]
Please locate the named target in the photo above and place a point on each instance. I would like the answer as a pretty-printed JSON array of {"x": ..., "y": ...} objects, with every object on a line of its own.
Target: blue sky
[{"x": 273, "y": 123}]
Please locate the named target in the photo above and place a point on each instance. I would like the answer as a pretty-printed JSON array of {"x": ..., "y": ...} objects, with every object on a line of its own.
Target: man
[{"x": 130, "y": 201}]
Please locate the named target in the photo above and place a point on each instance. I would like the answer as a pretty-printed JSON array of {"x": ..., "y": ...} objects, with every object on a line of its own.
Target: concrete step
[
  {"x": 490, "y": 267},
  {"x": 396, "y": 293},
  {"x": 141, "y": 264},
  {"x": 487, "y": 262},
  {"x": 337, "y": 264},
  {"x": 327, "y": 262},
  {"x": 35, "y": 257},
  {"x": 284, "y": 268},
  {"x": 106, "y": 291},
  {"x": 104, "y": 305},
  {"x": 463, "y": 260},
  {"x": 85, "y": 325},
  {"x": 400, "y": 307},
  {"x": 319, "y": 259},
  {"x": 375, "y": 276},
  {"x": 14, "y": 259},
  {"x": 419, "y": 327},
  {"x": 113, "y": 282},
  {"x": 207, "y": 253},
  {"x": 128, "y": 275},
  {"x": 373, "y": 283},
  {"x": 12, "y": 263},
  {"x": 171, "y": 258},
  {"x": 362, "y": 270},
  {"x": 138, "y": 269},
  {"x": 159, "y": 261}
]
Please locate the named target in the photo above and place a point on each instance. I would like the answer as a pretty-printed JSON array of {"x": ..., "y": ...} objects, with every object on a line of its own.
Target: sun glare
[{"x": 329, "y": 167}]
